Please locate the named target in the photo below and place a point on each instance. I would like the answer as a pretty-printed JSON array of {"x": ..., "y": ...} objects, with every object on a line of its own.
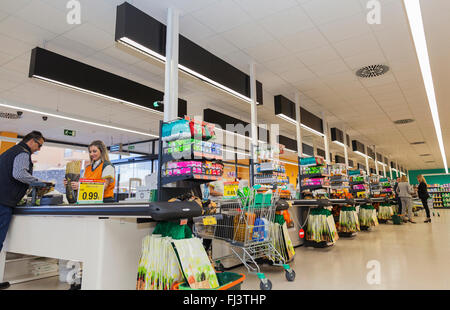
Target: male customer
[{"x": 16, "y": 169}]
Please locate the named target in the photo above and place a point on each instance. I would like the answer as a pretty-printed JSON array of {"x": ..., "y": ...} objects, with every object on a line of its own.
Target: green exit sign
[
  {"x": 68, "y": 132},
  {"x": 131, "y": 147}
]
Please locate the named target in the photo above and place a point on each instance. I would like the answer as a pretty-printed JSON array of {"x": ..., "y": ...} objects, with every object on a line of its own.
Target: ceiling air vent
[
  {"x": 425, "y": 155},
  {"x": 417, "y": 143},
  {"x": 430, "y": 161},
  {"x": 403, "y": 121},
  {"x": 372, "y": 71},
  {"x": 9, "y": 115}
]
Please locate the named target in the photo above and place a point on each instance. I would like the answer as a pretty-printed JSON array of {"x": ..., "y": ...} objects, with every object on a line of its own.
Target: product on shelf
[
  {"x": 385, "y": 212},
  {"x": 158, "y": 265},
  {"x": 321, "y": 226},
  {"x": 348, "y": 220},
  {"x": 367, "y": 216}
]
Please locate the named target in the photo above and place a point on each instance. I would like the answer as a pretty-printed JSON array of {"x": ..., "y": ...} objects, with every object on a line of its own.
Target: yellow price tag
[
  {"x": 209, "y": 220},
  {"x": 91, "y": 191},
  {"x": 230, "y": 189}
]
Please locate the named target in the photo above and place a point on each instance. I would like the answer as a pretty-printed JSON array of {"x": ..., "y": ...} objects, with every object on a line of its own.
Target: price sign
[
  {"x": 209, "y": 220},
  {"x": 91, "y": 191},
  {"x": 230, "y": 189}
]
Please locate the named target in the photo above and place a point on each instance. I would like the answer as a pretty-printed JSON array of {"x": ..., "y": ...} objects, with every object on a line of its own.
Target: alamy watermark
[
  {"x": 374, "y": 275},
  {"x": 74, "y": 15},
  {"x": 374, "y": 14}
]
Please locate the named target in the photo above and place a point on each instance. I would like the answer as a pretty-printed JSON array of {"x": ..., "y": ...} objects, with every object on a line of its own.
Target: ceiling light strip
[
  {"x": 142, "y": 49},
  {"x": 77, "y": 120},
  {"x": 89, "y": 92},
  {"x": 418, "y": 33}
]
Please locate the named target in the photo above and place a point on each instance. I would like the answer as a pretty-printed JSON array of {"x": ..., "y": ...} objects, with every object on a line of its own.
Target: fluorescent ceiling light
[
  {"x": 77, "y": 120},
  {"x": 312, "y": 130},
  {"x": 288, "y": 162},
  {"x": 418, "y": 33},
  {"x": 359, "y": 153},
  {"x": 339, "y": 143},
  {"x": 97, "y": 94},
  {"x": 148, "y": 52},
  {"x": 287, "y": 118}
]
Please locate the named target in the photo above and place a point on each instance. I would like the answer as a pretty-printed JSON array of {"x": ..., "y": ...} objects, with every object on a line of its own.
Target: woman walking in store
[
  {"x": 404, "y": 192},
  {"x": 422, "y": 191},
  {"x": 100, "y": 168},
  {"x": 399, "y": 202}
]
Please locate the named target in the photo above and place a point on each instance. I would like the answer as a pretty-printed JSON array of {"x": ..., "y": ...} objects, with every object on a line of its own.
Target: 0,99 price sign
[{"x": 91, "y": 191}]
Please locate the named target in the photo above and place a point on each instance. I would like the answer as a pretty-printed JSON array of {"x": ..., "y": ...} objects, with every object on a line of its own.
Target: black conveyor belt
[{"x": 109, "y": 210}]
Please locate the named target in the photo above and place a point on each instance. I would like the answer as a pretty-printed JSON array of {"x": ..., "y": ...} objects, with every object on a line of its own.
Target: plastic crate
[
  {"x": 227, "y": 281},
  {"x": 397, "y": 219}
]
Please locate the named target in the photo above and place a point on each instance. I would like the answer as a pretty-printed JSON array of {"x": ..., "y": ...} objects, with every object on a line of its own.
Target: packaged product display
[
  {"x": 385, "y": 212},
  {"x": 359, "y": 183},
  {"x": 158, "y": 266},
  {"x": 440, "y": 195},
  {"x": 348, "y": 220},
  {"x": 321, "y": 226},
  {"x": 314, "y": 177},
  {"x": 367, "y": 216},
  {"x": 195, "y": 264}
]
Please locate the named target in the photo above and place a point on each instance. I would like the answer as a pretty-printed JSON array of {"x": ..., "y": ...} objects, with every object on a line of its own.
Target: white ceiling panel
[
  {"x": 192, "y": 29},
  {"x": 318, "y": 56},
  {"x": 319, "y": 10},
  {"x": 287, "y": 22},
  {"x": 258, "y": 9},
  {"x": 247, "y": 35},
  {"x": 91, "y": 36},
  {"x": 267, "y": 51},
  {"x": 304, "y": 40},
  {"x": 347, "y": 28},
  {"x": 222, "y": 16},
  {"x": 327, "y": 68}
]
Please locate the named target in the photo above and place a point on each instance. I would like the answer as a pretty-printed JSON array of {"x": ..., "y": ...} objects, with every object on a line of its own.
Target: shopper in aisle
[
  {"x": 99, "y": 168},
  {"x": 422, "y": 191},
  {"x": 404, "y": 191},
  {"x": 16, "y": 174},
  {"x": 399, "y": 201}
]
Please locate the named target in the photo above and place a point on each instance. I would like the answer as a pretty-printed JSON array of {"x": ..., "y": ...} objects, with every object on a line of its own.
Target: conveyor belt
[
  {"x": 109, "y": 210},
  {"x": 311, "y": 203}
]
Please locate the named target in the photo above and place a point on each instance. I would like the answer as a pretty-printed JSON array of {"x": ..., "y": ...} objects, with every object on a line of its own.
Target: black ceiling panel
[
  {"x": 150, "y": 33},
  {"x": 321, "y": 152},
  {"x": 379, "y": 157},
  {"x": 65, "y": 70},
  {"x": 310, "y": 120},
  {"x": 358, "y": 146},
  {"x": 337, "y": 135},
  {"x": 284, "y": 106},
  {"x": 339, "y": 159}
]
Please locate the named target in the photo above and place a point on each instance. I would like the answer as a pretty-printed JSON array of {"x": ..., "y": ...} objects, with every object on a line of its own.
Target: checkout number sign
[{"x": 91, "y": 191}]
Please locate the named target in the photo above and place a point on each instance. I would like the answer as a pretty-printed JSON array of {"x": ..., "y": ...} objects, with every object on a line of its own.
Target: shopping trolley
[{"x": 245, "y": 224}]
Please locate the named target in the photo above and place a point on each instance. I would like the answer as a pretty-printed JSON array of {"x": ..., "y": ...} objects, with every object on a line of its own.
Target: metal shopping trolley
[{"x": 245, "y": 224}]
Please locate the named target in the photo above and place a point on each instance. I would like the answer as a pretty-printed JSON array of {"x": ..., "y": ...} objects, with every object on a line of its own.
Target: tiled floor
[{"x": 410, "y": 256}]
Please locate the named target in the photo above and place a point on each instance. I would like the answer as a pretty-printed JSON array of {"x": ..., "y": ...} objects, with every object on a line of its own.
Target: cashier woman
[{"x": 99, "y": 168}]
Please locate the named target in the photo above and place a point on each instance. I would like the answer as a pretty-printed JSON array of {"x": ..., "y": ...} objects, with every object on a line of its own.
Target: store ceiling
[{"x": 311, "y": 46}]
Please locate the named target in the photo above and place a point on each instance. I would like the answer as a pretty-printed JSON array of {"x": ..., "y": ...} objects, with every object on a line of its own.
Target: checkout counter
[{"x": 105, "y": 238}]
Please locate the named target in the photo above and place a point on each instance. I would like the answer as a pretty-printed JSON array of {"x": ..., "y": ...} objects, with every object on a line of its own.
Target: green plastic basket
[
  {"x": 397, "y": 219},
  {"x": 227, "y": 281}
]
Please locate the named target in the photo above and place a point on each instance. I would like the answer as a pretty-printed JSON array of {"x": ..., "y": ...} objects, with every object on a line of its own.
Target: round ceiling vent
[
  {"x": 372, "y": 71},
  {"x": 403, "y": 121},
  {"x": 9, "y": 115}
]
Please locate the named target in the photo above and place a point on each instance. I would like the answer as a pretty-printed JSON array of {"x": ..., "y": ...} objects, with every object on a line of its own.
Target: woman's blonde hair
[
  {"x": 404, "y": 179},
  {"x": 103, "y": 150},
  {"x": 421, "y": 179}
]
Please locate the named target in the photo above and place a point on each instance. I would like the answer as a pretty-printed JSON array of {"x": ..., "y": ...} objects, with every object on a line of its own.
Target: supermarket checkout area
[{"x": 105, "y": 238}]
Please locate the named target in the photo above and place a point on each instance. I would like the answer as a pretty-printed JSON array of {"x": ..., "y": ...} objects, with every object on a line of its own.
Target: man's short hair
[{"x": 33, "y": 135}]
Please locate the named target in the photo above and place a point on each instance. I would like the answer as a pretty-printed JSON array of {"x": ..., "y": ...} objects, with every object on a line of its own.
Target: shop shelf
[
  {"x": 199, "y": 178},
  {"x": 313, "y": 176},
  {"x": 190, "y": 156}
]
